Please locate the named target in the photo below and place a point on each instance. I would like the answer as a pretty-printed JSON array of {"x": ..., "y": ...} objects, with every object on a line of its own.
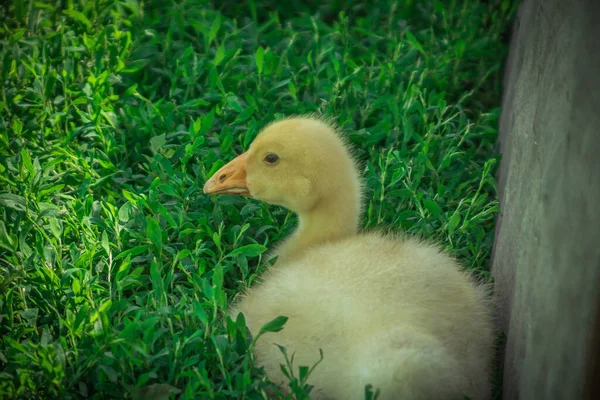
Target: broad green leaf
[
  {"x": 105, "y": 306},
  {"x": 46, "y": 190},
  {"x": 56, "y": 227},
  {"x": 200, "y": 313},
  {"x": 105, "y": 244},
  {"x": 76, "y": 286},
  {"x": 168, "y": 189},
  {"x": 218, "y": 277},
  {"x": 157, "y": 142},
  {"x": 219, "y": 55},
  {"x": 207, "y": 122},
  {"x": 274, "y": 325},
  {"x": 413, "y": 40},
  {"x": 78, "y": 16},
  {"x": 135, "y": 66},
  {"x": 4, "y": 236},
  {"x": 234, "y": 102},
  {"x": 157, "y": 281},
  {"x": 125, "y": 212},
  {"x": 13, "y": 201},
  {"x": 30, "y": 315},
  {"x": 259, "y": 57},
  {"x": 17, "y": 127},
  {"x": 82, "y": 314},
  {"x": 217, "y": 239},
  {"x": 244, "y": 115},
  {"x": 214, "y": 29},
  {"x": 432, "y": 207},
  {"x": 27, "y": 161},
  {"x": 110, "y": 373},
  {"x": 251, "y": 250},
  {"x": 154, "y": 232},
  {"x": 453, "y": 223},
  {"x": 196, "y": 125},
  {"x": 134, "y": 251}
]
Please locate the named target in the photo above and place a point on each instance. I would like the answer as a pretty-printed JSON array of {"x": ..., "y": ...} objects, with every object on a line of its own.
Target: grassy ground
[{"x": 115, "y": 269}]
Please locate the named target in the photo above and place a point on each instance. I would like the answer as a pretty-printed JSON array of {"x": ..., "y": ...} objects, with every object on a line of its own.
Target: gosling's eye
[{"x": 271, "y": 159}]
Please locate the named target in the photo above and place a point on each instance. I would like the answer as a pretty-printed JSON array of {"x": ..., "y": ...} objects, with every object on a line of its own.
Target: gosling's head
[{"x": 299, "y": 163}]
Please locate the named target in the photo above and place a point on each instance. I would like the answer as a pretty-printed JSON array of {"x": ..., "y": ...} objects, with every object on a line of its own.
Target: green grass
[{"x": 115, "y": 270}]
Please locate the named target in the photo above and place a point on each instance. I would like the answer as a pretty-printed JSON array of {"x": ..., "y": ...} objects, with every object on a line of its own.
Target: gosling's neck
[{"x": 330, "y": 220}]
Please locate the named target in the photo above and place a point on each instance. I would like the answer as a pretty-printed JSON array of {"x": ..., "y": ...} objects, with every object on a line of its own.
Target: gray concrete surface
[{"x": 546, "y": 259}]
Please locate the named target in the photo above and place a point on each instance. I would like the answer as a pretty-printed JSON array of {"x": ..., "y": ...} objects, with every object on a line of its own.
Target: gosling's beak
[{"x": 230, "y": 179}]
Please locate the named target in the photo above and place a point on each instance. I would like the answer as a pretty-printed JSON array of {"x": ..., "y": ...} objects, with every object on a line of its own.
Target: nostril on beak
[{"x": 222, "y": 178}]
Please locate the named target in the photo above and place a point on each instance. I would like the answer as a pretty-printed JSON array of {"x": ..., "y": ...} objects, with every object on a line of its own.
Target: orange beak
[{"x": 230, "y": 179}]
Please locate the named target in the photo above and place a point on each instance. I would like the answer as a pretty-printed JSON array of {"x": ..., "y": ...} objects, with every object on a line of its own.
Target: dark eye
[{"x": 271, "y": 158}]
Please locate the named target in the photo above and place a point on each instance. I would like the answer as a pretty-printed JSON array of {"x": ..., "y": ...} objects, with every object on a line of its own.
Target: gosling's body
[{"x": 393, "y": 312}]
